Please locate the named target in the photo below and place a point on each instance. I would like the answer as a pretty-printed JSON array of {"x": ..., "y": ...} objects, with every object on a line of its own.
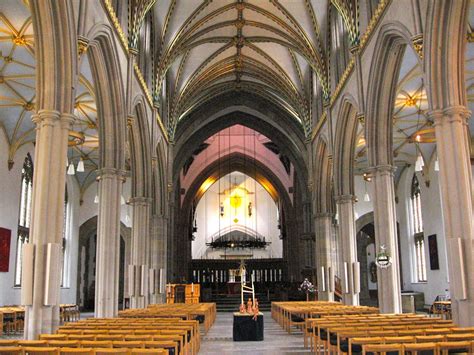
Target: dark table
[{"x": 246, "y": 328}]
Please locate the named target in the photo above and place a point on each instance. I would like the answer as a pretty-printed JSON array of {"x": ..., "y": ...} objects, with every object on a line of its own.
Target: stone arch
[
  {"x": 56, "y": 55},
  {"x": 110, "y": 98},
  {"x": 160, "y": 180},
  {"x": 85, "y": 232},
  {"x": 384, "y": 70},
  {"x": 140, "y": 150},
  {"x": 322, "y": 183},
  {"x": 444, "y": 57},
  {"x": 236, "y": 162},
  {"x": 260, "y": 116},
  {"x": 344, "y": 146}
]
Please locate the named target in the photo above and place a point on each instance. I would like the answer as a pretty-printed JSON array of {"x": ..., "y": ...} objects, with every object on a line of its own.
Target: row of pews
[
  {"x": 171, "y": 329},
  {"x": 205, "y": 313},
  {"x": 334, "y": 328},
  {"x": 12, "y": 318}
]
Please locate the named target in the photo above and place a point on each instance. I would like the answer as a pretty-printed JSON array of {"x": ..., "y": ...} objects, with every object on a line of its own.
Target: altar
[{"x": 246, "y": 328}]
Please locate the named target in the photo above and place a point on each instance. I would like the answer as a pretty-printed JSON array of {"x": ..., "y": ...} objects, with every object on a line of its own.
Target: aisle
[{"x": 277, "y": 341}]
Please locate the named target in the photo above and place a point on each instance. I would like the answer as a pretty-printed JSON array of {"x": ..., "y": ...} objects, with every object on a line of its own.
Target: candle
[{"x": 192, "y": 287}]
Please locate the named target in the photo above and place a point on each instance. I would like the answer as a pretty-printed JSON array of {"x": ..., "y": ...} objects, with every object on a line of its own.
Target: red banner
[{"x": 5, "y": 238}]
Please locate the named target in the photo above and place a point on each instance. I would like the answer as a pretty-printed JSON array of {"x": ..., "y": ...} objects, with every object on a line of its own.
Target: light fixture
[
  {"x": 366, "y": 195},
  {"x": 122, "y": 200},
  {"x": 96, "y": 199},
  {"x": 70, "y": 169},
  {"x": 419, "y": 163},
  {"x": 80, "y": 166},
  {"x": 436, "y": 167},
  {"x": 127, "y": 219}
]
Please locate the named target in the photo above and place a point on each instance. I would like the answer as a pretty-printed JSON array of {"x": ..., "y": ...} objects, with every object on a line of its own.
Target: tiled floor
[{"x": 219, "y": 339}]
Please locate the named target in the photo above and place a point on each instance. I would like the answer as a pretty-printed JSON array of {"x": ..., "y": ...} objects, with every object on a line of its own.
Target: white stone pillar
[
  {"x": 158, "y": 258},
  {"x": 140, "y": 251},
  {"x": 345, "y": 208},
  {"x": 47, "y": 215},
  {"x": 453, "y": 147},
  {"x": 108, "y": 242},
  {"x": 324, "y": 259},
  {"x": 385, "y": 221}
]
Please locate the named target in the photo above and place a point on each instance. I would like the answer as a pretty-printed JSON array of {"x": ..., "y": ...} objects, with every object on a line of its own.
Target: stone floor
[{"x": 219, "y": 339}]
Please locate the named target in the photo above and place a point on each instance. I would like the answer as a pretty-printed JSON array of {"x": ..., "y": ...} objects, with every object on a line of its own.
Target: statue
[
  {"x": 256, "y": 307},
  {"x": 242, "y": 308}
]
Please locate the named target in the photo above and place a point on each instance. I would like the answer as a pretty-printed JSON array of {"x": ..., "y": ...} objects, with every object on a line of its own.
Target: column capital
[
  {"x": 321, "y": 215},
  {"x": 451, "y": 114},
  {"x": 111, "y": 172},
  {"x": 139, "y": 200},
  {"x": 383, "y": 168},
  {"x": 345, "y": 198},
  {"x": 50, "y": 116}
]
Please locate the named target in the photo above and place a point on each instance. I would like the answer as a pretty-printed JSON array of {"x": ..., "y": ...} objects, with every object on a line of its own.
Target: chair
[
  {"x": 110, "y": 337},
  {"x": 446, "y": 347},
  {"x": 40, "y": 351},
  {"x": 148, "y": 351},
  {"x": 96, "y": 344},
  {"x": 382, "y": 349},
  {"x": 64, "y": 343},
  {"x": 106, "y": 351},
  {"x": 138, "y": 337},
  {"x": 87, "y": 337},
  {"x": 355, "y": 344},
  {"x": 32, "y": 343},
  {"x": 8, "y": 343},
  {"x": 76, "y": 351},
  {"x": 399, "y": 340},
  {"x": 127, "y": 344},
  {"x": 11, "y": 350},
  {"x": 171, "y": 346},
  {"x": 430, "y": 338},
  {"x": 460, "y": 337},
  {"x": 53, "y": 337},
  {"x": 416, "y": 348}
]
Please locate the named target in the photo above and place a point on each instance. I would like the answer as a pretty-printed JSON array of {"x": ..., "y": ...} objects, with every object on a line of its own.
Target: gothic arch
[
  {"x": 56, "y": 56},
  {"x": 322, "y": 184},
  {"x": 140, "y": 150},
  {"x": 384, "y": 70},
  {"x": 109, "y": 91},
  {"x": 344, "y": 146}
]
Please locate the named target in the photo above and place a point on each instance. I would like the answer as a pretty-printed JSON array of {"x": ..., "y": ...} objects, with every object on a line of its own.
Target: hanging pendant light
[
  {"x": 419, "y": 163},
  {"x": 366, "y": 195},
  {"x": 122, "y": 200},
  {"x": 436, "y": 167},
  {"x": 80, "y": 166},
  {"x": 70, "y": 169},
  {"x": 96, "y": 199}
]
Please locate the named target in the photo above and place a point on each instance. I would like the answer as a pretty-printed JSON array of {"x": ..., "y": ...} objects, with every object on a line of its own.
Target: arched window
[
  {"x": 24, "y": 214},
  {"x": 418, "y": 236}
]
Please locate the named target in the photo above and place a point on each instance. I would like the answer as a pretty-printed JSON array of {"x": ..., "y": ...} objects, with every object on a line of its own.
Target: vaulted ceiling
[{"x": 268, "y": 48}]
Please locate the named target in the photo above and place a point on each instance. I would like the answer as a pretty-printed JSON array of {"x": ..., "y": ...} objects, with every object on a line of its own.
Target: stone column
[
  {"x": 108, "y": 242},
  {"x": 453, "y": 147},
  {"x": 385, "y": 222},
  {"x": 47, "y": 211},
  {"x": 140, "y": 251},
  {"x": 345, "y": 208},
  {"x": 324, "y": 257},
  {"x": 158, "y": 257}
]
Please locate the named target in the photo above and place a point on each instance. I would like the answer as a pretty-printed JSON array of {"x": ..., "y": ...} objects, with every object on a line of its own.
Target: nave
[{"x": 169, "y": 153}]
